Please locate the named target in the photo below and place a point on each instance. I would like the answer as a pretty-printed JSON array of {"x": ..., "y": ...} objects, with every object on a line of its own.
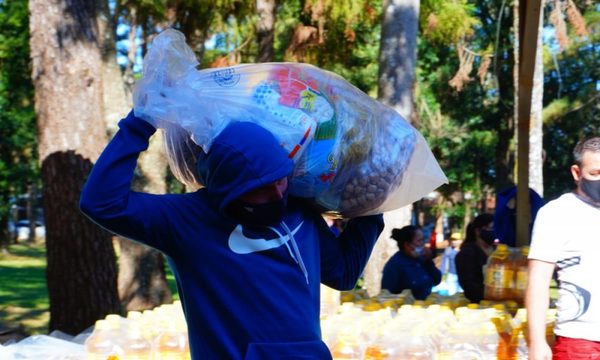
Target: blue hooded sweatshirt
[
  {"x": 419, "y": 275},
  {"x": 505, "y": 216},
  {"x": 246, "y": 293}
]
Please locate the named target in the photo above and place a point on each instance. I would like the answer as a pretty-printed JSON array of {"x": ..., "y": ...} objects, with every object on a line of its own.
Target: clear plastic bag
[
  {"x": 352, "y": 154},
  {"x": 43, "y": 347}
]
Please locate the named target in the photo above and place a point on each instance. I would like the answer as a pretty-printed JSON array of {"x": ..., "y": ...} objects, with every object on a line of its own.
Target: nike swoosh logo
[{"x": 240, "y": 244}]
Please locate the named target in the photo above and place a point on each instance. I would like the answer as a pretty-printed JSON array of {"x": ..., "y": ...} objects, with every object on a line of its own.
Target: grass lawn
[{"x": 23, "y": 292}]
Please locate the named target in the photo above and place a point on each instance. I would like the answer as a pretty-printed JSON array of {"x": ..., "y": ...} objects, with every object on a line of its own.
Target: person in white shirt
[{"x": 566, "y": 237}]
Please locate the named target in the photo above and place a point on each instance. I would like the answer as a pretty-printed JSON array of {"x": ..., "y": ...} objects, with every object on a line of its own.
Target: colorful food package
[{"x": 353, "y": 155}]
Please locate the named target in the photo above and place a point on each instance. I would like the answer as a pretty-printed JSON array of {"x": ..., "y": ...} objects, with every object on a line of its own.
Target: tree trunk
[
  {"x": 505, "y": 64},
  {"x": 265, "y": 30},
  {"x": 536, "y": 175},
  {"x": 398, "y": 55},
  {"x": 142, "y": 283},
  {"x": 529, "y": 120},
  {"x": 516, "y": 27},
  {"x": 397, "y": 61},
  {"x": 116, "y": 101},
  {"x": 4, "y": 235},
  {"x": 131, "y": 50},
  {"x": 142, "y": 278},
  {"x": 66, "y": 71},
  {"x": 505, "y": 157}
]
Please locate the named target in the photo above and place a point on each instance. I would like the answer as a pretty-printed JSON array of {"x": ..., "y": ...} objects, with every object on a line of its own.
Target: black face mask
[
  {"x": 487, "y": 236},
  {"x": 267, "y": 214},
  {"x": 591, "y": 188}
]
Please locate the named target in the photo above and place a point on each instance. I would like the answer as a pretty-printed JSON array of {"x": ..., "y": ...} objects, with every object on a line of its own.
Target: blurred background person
[
  {"x": 449, "y": 285},
  {"x": 412, "y": 266},
  {"x": 473, "y": 255}
]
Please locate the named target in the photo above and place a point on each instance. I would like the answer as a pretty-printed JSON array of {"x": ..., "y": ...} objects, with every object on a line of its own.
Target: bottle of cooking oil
[
  {"x": 172, "y": 342},
  {"x": 385, "y": 346},
  {"x": 520, "y": 274},
  {"x": 460, "y": 343},
  {"x": 346, "y": 347},
  {"x": 103, "y": 343},
  {"x": 135, "y": 346},
  {"x": 420, "y": 345},
  {"x": 499, "y": 275}
]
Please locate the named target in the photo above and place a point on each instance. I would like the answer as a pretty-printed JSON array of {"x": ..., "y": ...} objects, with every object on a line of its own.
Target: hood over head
[{"x": 243, "y": 157}]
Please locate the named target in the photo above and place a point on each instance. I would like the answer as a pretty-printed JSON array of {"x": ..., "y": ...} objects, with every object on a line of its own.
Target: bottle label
[
  {"x": 499, "y": 277},
  {"x": 521, "y": 279}
]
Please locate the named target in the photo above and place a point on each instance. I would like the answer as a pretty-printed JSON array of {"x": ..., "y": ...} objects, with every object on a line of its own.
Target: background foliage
[
  {"x": 464, "y": 90},
  {"x": 18, "y": 155}
]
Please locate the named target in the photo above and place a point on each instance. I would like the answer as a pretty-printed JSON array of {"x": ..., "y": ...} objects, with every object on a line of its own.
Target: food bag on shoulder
[{"x": 352, "y": 155}]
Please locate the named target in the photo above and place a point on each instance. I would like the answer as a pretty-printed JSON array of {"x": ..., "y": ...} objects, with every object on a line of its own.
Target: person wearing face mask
[
  {"x": 473, "y": 255},
  {"x": 412, "y": 267},
  {"x": 248, "y": 257},
  {"x": 566, "y": 239}
]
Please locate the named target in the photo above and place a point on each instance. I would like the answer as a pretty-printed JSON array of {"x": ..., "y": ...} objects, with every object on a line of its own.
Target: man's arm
[
  {"x": 539, "y": 274},
  {"x": 343, "y": 259},
  {"x": 107, "y": 198}
]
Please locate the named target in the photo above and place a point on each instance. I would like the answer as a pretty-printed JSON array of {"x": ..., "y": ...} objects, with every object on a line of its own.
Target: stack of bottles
[
  {"x": 506, "y": 274},
  {"x": 390, "y": 327},
  {"x": 150, "y": 335},
  {"x": 437, "y": 328}
]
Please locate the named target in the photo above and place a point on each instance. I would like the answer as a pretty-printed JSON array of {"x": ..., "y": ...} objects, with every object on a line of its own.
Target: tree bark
[
  {"x": 529, "y": 21},
  {"x": 4, "y": 235},
  {"x": 265, "y": 30},
  {"x": 116, "y": 100},
  {"x": 129, "y": 76},
  {"x": 142, "y": 278},
  {"x": 506, "y": 110},
  {"x": 536, "y": 158},
  {"x": 397, "y": 62},
  {"x": 398, "y": 55},
  {"x": 66, "y": 71}
]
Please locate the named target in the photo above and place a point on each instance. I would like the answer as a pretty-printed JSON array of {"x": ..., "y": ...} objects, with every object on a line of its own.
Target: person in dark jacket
[
  {"x": 412, "y": 267},
  {"x": 505, "y": 215},
  {"x": 248, "y": 260},
  {"x": 473, "y": 255}
]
